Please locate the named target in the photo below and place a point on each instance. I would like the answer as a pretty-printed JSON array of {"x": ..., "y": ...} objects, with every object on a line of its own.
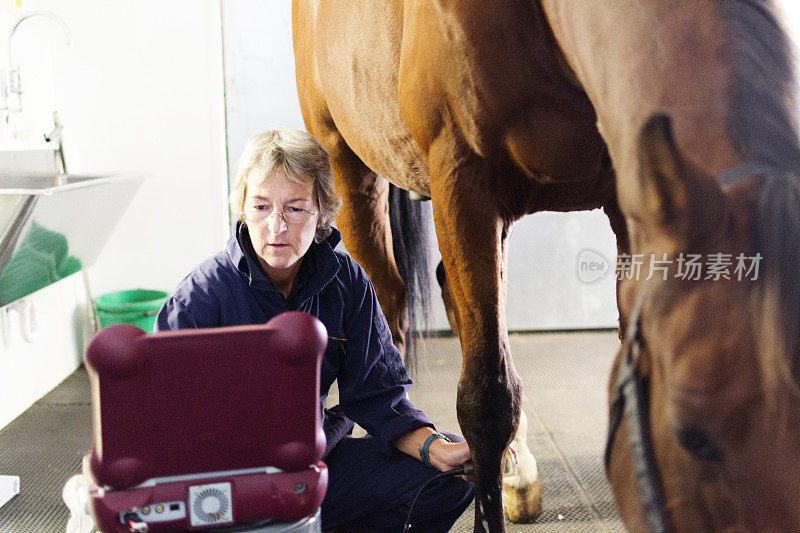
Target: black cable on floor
[{"x": 460, "y": 471}]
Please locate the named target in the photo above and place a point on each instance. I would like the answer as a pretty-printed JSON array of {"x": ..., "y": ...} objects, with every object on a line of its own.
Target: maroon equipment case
[{"x": 206, "y": 428}]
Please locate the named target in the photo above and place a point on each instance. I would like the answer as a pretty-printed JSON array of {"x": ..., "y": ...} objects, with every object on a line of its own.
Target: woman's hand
[
  {"x": 442, "y": 455},
  {"x": 446, "y": 456}
]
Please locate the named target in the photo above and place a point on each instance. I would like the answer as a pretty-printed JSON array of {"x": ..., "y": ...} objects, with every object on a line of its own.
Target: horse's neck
[{"x": 654, "y": 56}]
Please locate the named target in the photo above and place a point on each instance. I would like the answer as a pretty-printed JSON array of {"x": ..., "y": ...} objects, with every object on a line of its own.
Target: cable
[{"x": 465, "y": 469}]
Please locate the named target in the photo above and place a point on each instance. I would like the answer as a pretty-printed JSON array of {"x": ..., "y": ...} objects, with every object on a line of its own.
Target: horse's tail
[{"x": 410, "y": 222}]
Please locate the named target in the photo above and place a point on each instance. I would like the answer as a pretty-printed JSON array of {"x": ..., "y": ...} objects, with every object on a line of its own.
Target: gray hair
[{"x": 301, "y": 158}]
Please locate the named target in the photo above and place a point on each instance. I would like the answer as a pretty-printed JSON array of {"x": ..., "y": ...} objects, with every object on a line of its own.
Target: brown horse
[{"x": 500, "y": 109}]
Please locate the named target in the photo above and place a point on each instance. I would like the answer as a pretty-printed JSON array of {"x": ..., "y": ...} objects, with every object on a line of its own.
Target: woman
[{"x": 282, "y": 258}]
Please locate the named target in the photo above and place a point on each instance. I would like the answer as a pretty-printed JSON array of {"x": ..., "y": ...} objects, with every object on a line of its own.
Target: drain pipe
[
  {"x": 5, "y": 326},
  {"x": 29, "y": 326}
]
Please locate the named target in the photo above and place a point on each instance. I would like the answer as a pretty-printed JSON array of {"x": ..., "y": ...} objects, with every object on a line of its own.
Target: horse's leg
[
  {"x": 472, "y": 236},
  {"x": 366, "y": 232},
  {"x": 522, "y": 493}
]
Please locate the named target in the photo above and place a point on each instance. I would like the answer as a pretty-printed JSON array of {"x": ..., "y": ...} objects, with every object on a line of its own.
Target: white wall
[
  {"x": 261, "y": 92},
  {"x": 140, "y": 89},
  {"x": 260, "y": 88}
]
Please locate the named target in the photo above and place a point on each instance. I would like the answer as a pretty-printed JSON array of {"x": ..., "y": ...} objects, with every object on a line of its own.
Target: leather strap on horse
[
  {"x": 631, "y": 399},
  {"x": 748, "y": 169}
]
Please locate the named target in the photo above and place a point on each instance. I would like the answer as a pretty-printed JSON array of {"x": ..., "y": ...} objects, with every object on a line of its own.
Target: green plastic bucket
[{"x": 138, "y": 307}]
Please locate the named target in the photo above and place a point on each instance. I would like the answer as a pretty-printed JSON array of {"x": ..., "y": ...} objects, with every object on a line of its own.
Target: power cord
[{"x": 464, "y": 470}]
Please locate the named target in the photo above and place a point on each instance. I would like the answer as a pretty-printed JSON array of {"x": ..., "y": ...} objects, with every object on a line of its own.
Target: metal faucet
[
  {"x": 12, "y": 87},
  {"x": 57, "y": 136}
]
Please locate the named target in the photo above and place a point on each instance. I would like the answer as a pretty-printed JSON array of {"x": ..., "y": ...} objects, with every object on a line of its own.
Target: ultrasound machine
[{"x": 207, "y": 429}]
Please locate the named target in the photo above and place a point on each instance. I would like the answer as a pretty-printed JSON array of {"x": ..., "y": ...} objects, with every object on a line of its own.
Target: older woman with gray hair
[{"x": 281, "y": 258}]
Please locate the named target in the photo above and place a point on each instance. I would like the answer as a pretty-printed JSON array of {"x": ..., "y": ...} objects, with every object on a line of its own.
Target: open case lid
[{"x": 205, "y": 400}]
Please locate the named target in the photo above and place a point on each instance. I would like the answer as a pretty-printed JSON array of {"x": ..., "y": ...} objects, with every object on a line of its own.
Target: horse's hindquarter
[
  {"x": 357, "y": 57},
  {"x": 388, "y": 70}
]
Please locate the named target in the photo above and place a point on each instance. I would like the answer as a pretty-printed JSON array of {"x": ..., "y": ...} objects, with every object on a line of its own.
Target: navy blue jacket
[{"x": 231, "y": 289}]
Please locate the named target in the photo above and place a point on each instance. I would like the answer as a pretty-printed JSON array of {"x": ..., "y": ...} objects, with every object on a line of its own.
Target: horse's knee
[{"x": 488, "y": 412}]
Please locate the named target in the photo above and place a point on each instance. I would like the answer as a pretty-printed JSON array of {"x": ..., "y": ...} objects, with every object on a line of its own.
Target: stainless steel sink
[
  {"x": 52, "y": 226},
  {"x": 48, "y": 184}
]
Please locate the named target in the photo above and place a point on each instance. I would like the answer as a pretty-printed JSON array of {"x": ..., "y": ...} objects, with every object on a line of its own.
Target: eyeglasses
[{"x": 290, "y": 215}]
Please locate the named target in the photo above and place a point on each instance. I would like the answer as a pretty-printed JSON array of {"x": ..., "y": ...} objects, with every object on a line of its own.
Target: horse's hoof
[{"x": 523, "y": 505}]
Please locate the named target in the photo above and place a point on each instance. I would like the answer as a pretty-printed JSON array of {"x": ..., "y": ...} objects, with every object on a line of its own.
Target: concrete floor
[{"x": 564, "y": 376}]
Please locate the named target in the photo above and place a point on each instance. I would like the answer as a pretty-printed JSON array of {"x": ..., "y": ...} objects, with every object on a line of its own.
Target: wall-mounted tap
[
  {"x": 11, "y": 90},
  {"x": 57, "y": 136}
]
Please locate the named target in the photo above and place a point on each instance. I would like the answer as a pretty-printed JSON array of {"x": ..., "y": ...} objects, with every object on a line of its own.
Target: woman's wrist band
[{"x": 423, "y": 452}]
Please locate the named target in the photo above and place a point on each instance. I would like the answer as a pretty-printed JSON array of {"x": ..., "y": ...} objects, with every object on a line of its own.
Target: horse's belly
[
  {"x": 551, "y": 147},
  {"x": 360, "y": 83}
]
